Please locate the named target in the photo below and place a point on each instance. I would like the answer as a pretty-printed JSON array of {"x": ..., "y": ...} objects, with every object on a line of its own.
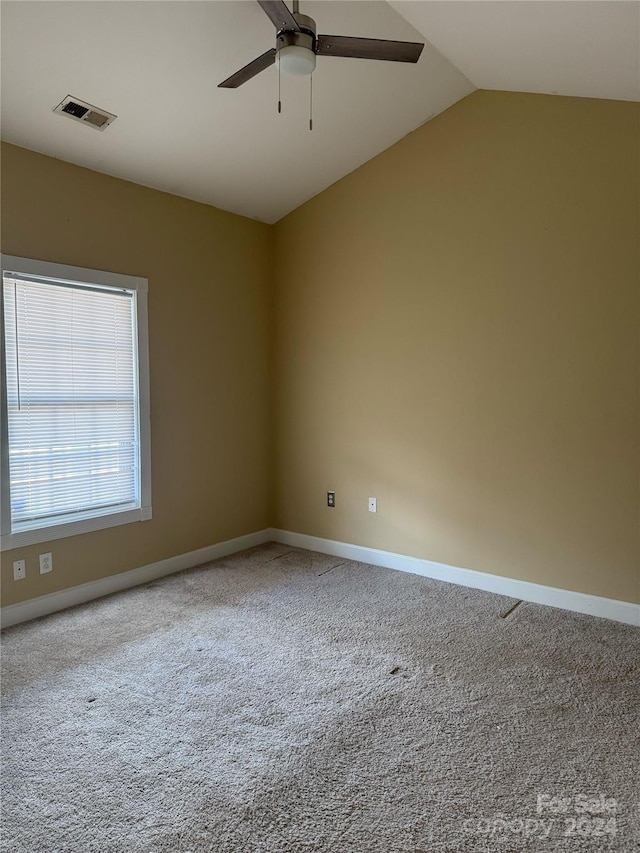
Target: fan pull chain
[
  {"x": 311, "y": 102},
  {"x": 279, "y": 101}
]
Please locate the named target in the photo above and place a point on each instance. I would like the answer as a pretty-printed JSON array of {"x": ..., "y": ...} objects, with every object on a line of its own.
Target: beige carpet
[{"x": 281, "y": 701}]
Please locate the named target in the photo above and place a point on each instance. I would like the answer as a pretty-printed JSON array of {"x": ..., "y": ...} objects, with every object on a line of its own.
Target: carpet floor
[{"x": 284, "y": 701}]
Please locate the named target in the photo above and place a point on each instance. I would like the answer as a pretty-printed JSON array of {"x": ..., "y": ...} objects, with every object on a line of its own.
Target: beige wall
[
  {"x": 209, "y": 280},
  {"x": 457, "y": 335}
]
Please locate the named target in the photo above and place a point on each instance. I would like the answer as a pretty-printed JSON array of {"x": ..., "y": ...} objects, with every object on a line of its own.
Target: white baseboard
[
  {"x": 579, "y": 602},
  {"x": 13, "y": 614}
]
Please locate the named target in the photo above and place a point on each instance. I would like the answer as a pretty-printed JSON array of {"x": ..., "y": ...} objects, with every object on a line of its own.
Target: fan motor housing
[
  {"x": 286, "y": 39},
  {"x": 305, "y": 38},
  {"x": 305, "y": 23}
]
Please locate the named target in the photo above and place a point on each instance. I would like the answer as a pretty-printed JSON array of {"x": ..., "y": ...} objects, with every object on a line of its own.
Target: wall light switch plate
[
  {"x": 46, "y": 563},
  {"x": 373, "y": 505},
  {"x": 19, "y": 570}
]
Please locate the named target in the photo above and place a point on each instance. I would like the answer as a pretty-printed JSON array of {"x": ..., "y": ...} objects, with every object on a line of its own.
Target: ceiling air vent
[{"x": 86, "y": 113}]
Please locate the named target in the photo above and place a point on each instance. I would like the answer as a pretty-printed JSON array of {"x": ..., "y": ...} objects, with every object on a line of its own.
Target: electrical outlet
[
  {"x": 373, "y": 505},
  {"x": 19, "y": 570},
  {"x": 331, "y": 498},
  {"x": 46, "y": 563}
]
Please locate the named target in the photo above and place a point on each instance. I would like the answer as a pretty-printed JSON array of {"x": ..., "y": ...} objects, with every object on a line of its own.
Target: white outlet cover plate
[
  {"x": 373, "y": 504},
  {"x": 46, "y": 563},
  {"x": 19, "y": 570}
]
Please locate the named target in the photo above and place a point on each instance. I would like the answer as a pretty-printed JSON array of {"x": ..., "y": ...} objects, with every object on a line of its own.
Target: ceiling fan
[{"x": 297, "y": 46}]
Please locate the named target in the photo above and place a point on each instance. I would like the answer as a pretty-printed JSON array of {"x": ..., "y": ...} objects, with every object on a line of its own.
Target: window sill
[{"x": 9, "y": 541}]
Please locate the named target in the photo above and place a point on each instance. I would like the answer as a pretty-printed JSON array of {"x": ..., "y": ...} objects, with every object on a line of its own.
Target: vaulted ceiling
[{"x": 156, "y": 65}]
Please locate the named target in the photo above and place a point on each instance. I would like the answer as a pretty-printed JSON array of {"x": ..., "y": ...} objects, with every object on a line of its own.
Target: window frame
[{"x": 81, "y": 275}]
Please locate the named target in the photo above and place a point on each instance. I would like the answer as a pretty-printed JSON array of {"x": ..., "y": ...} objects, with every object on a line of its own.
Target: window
[{"x": 75, "y": 401}]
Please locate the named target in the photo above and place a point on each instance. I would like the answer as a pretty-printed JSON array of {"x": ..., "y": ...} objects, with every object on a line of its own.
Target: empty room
[{"x": 320, "y": 426}]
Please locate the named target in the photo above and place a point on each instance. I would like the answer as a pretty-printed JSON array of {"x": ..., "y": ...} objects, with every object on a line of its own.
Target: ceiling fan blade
[
  {"x": 249, "y": 70},
  {"x": 281, "y": 17},
  {"x": 393, "y": 51}
]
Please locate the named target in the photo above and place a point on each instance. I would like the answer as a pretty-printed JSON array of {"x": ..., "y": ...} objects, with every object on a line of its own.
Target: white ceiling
[
  {"x": 586, "y": 48},
  {"x": 156, "y": 65}
]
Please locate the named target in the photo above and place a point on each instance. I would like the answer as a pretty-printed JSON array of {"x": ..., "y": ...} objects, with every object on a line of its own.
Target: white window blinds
[{"x": 72, "y": 400}]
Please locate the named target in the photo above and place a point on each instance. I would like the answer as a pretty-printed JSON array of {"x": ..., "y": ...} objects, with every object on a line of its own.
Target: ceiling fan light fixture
[
  {"x": 296, "y": 59},
  {"x": 297, "y": 44}
]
